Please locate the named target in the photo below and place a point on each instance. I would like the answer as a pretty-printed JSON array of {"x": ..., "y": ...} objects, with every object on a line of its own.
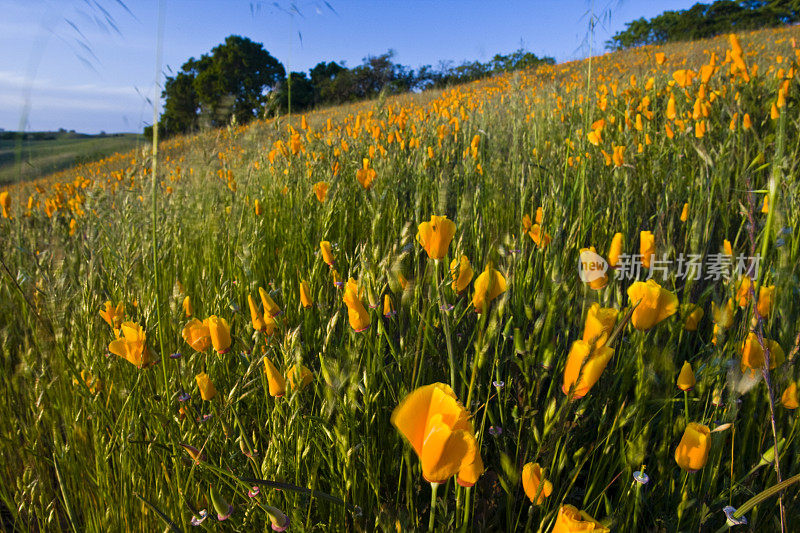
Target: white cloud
[{"x": 10, "y": 81}]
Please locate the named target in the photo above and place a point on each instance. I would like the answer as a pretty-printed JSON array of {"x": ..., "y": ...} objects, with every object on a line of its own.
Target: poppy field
[{"x": 564, "y": 299}]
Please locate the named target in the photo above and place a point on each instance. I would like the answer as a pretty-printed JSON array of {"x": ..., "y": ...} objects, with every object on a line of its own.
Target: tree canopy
[
  {"x": 706, "y": 20},
  {"x": 240, "y": 79}
]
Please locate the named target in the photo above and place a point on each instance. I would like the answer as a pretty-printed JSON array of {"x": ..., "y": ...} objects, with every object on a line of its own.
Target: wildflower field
[{"x": 387, "y": 316}]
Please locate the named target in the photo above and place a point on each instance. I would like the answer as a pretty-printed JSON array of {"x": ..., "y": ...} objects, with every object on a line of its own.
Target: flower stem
[
  {"x": 686, "y": 406},
  {"x": 432, "y": 517},
  {"x": 445, "y": 325}
]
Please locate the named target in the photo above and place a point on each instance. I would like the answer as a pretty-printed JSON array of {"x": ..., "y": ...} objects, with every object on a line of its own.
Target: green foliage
[
  {"x": 230, "y": 82},
  {"x": 706, "y": 20}
]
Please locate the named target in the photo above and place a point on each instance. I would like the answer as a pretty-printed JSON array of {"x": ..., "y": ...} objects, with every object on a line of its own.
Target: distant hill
[{"x": 36, "y": 154}]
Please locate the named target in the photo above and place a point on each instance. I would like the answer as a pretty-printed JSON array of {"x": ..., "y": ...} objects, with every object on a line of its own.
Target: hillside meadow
[{"x": 273, "y": 326}]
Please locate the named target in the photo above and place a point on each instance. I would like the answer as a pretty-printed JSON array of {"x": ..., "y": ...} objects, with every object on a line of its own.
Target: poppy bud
[
  {"x": 223, "y": 508},
  {"x": 686, "y": 380},
  {"x": 220, "y": 333},
  {"x": 278, "y": 520},
  {"x": 277, "y": 384},
  {"x": 305, "y": 295}
]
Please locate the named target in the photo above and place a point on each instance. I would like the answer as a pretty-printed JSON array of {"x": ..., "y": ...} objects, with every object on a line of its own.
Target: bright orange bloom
[
  {"x": 753, "y": 355},
  {"x": 647, "y": 247},
  {"x": 113, "y": 315},
  {"x": 692, "y": 452},
  {"x": 435, "y": 236},
  {"x": 615, "y": 250},
  {"x": 256, "y": 317},
  {"x": 206, "y": 386},
  {"x": 440, "y": 431},
  {"x": 270, "y": 307},
  {"x": 366, "y": 175},
  {"x": 599, "y": 324},
  {"x": 489, "y": 285},
  {"x": 655, "y": 304},
  {"x": 327, "y": 254},
  {"x": 571, "y": 520},
  {"x": 305, "y": 295},
  {"x": 299, "y": 377},
  {"x": 5, "y": 204},
  {"x": 321, "y": 191},
  {"x": 789, "y": 397},
  {"x": 585, "y": 365},
  {"x": 356, "y": 313},
  {"x": 462, "y": 273},
  {"x": 692, "y": 314},
  {"x": 536, "y": 487},
  {"x": 132, "y": 345},
  {"x": 275, "y": 380},
  {"x": 220, "y": 333},
  {"x": 197, "y": 335},
  {"x": 766, "y": 300}
]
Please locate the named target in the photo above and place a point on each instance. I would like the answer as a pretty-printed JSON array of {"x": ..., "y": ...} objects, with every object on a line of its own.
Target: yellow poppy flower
[
  {"x": 388, "y": 306},
  {"x": 571, "y": 520},
  {"x": 540, "y": 238},
  {"x": 439, "y": 430},
  {"x": 299, "y": 377},
  {"x": 220, "y": 333},
  {"x": 113, "y": 315},
  {"x": 789, "y": 397},
  {"x": 692, "y": 452},
  {"x": 356, "y": 313},
  {"x": 435, "y": 236},
  {"x": 5, "y": 204},
  {"x": 685, "y": 212},
  {"x": 489, "y": 285},
  {"x": 615, "y": 250},
  {"x": 270, "y": 307},
  {"x": 327, "y": 254},
  {"x": 256, "y": 317},
  {"x": 692, "y": 314},
  {"x": 536, "y": 487},
  {"x": 207, "y": 390},
  {"x": 584, "y": 367},
  {"x": 197, "y": 335},
  {"x": 188, "y": 309},
  {"x": 766, "y": 299},
  {"x": 753, "y": 354},
  {"x": 599, "y": 324},
  {"x": 655, "y": 304},
  {"x": 132, "y": 346},
  {"x": 743, "y": 291},
  {"x": 366, "y": 175},
  {"x": 277, "y": 384},
  {"x": 647, "y": 247},
  {"x": 462, "y": 273},
  {"x": 321, "y": 191}
]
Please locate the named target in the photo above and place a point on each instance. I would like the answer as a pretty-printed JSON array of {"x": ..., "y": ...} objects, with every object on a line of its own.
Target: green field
[
  {"x": 31, "y": 158},
  {"x": 269, "y": 322}
]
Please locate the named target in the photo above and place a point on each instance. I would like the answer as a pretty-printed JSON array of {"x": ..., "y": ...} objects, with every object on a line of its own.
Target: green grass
[
  {"x": 35, "y": 158},
  {"x": 328, "y": 456}
]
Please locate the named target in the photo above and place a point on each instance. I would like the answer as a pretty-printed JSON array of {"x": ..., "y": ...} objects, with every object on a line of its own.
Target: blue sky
[{"x": 79, "y": 72}]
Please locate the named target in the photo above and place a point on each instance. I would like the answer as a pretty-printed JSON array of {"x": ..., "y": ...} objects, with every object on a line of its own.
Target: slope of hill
[
  {"x": 41, "y": 153},
  {"x": 282, "y": 326}
]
